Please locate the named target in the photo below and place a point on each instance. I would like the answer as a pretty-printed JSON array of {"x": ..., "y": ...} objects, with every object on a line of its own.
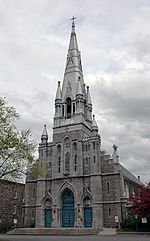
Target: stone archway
[{"x": 67, "y": 207}]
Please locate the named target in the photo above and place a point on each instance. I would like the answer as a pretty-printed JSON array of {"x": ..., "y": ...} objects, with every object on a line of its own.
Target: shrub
[
  {"x": 5, "y": 226},
  {"x": 129, "y": 223}
]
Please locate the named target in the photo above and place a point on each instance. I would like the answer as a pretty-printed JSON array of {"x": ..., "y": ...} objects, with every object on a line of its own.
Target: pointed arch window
[
  {"x": 108, "y": 188},
  {"x": 74, "y": 108},
  {"x": 75, "y": 162},
  {"x": 67, "y": 143},
  {"x": 63, "y": 110},
  {"x": 59, "y": 149},
  {"x": 67, "y": 162},
  {"x": 68, "y": 103},
  {"x": 75, "y": 146},
  {"x": 109, "y": 212}
]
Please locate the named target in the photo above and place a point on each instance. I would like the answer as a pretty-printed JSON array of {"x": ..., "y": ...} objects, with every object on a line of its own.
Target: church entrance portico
[{"x": 68, "y": 211}]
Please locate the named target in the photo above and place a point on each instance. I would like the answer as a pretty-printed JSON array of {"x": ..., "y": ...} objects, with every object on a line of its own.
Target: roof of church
[{"x": 129, "y": 175}]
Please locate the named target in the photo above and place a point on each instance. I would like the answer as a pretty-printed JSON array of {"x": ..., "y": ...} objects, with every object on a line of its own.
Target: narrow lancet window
[
  {"x": 68, "y": 103},
  {"x": 67, "y": 162}
]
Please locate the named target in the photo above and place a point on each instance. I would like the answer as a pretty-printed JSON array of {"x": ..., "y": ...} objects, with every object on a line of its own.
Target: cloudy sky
[{"x": 114, "y": 39}]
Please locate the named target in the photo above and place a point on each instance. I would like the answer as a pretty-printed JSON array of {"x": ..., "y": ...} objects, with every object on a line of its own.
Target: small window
[
  {"x": 63, "y": 110},
  {"x": 68, "y": 103},
  {"x": 14, "y": 209},
  {"x": 15, "y": 194},
  {"x": 33, "y": 192},
  {"x": 49, "y": 165},
  {"x": 86, "y": 161},
  {"x": 108, "y": 187},
  {"x": 59, "y": 149},
  {"x": 83, "y": 148},
  {"x": 74, "y": 108},
  {"x": 59, "y": 163},
  {"x": 94, "y": 159},
  {"x": 74, "y": 146},
  {"x": 67, "y": 162},
  {"x": 93, "y": 145},
  {"x": 109, "y": 211},
  {"x": 75, "y": 163}
]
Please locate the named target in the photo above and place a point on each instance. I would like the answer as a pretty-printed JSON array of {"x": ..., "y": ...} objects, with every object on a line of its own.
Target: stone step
[
  {"x": 108, "y": 231},
  {"x": 53, "y": 231}
]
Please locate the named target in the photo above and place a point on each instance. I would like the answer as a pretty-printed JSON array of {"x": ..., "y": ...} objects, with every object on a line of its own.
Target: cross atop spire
[{"x": 73, "y": 18}]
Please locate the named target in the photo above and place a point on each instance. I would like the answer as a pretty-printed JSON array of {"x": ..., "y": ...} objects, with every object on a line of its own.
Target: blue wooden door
[
  {"x": 48, "y": 218},
  {"x": 68, "y": 213},
  {"x": 88, "y": 217}
]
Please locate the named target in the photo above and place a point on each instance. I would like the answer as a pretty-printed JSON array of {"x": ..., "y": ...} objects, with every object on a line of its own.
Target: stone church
[{"x": 78, "y": 184}]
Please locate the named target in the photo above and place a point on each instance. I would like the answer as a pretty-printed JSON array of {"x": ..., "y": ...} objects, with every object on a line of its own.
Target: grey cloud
[{"x": 114, "y": 40}]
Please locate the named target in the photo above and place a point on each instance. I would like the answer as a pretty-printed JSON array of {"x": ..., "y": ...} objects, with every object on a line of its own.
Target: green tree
[{"x": 16, "y": 147}]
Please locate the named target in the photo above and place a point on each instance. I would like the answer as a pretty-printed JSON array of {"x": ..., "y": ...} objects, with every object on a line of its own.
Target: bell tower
[{"x": 73, "y": 105}]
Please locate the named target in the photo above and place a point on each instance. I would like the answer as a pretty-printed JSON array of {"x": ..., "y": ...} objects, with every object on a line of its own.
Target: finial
[
  {"x": 73, "y": 18},
  {"x": 115, "y": 147},
  {"x": 58, "y": 82}
]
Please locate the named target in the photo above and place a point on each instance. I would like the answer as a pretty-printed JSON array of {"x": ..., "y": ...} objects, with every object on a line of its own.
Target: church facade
[{"x": 78, "y": 184}]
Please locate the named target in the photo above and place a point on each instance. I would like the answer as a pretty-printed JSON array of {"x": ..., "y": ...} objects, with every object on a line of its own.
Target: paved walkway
[{"x": 119, "y": 237}]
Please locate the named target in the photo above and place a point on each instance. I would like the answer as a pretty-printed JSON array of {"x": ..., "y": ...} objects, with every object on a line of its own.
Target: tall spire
[
  {"x": 73, "y": 69},
  {"x": 73, "y": 103}
]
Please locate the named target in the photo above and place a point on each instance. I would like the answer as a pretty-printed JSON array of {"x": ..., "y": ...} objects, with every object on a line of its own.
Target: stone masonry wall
[{"x": 11, "y": 201}]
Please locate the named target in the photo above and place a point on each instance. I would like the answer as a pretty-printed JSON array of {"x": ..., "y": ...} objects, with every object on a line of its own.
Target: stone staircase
[{"x": 54, "y": 231}]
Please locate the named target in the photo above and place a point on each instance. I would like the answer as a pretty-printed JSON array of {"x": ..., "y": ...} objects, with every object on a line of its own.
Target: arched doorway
[
  {"x": 48, "y": 214},
  {"x": 68, "y": 212},
  {"x": 88, "y": 215}
]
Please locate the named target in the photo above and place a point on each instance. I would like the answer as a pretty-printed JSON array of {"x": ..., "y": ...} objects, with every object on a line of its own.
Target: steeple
[
  {"x": 58, "y": 93},
  {"x": 73, "y": 69},
  {"x": 73, "y": 105},
  {"x": 44, "y": 136}
]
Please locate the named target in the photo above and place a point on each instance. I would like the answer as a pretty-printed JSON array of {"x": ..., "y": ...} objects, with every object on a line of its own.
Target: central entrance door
[{"x": 68, "y": 212}]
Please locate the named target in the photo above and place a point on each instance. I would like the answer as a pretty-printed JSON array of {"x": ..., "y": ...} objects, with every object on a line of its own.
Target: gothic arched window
[
  {"x": 67, "y": 143},
  {"x": 58, "y": 149},
  {"x": 67, "y": 162},
  {"x": 75, "y": 146},
  {"x": 68, "y": 103}
]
